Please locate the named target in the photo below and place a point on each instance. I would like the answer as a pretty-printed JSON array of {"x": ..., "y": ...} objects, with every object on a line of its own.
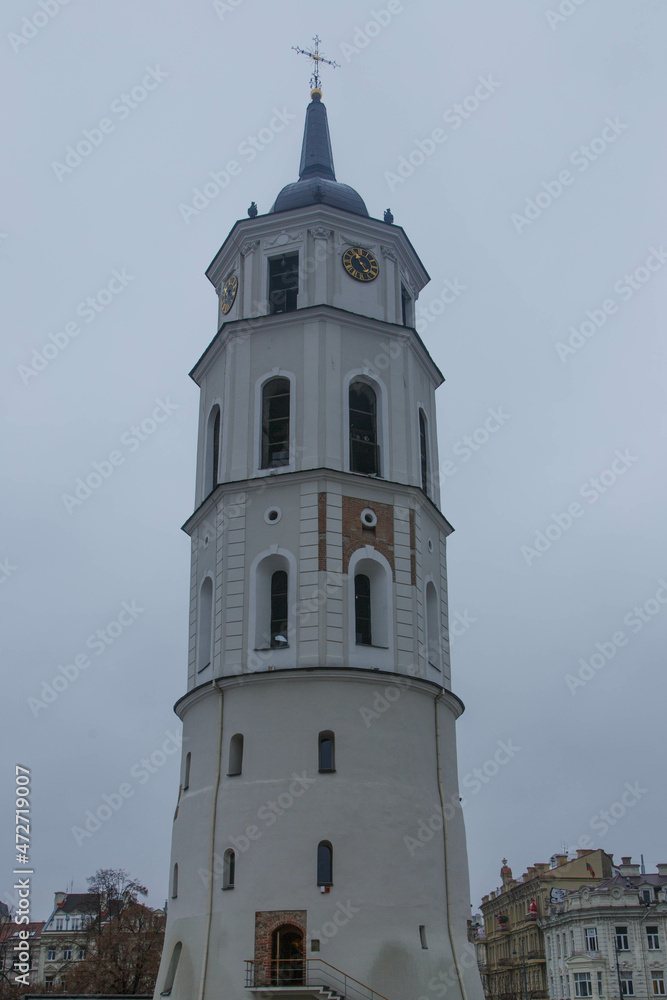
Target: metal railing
[{"x": 307, "y": 972}]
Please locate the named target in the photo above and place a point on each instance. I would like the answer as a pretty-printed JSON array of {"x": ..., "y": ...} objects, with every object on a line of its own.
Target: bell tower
[{"x": 318, "y": 841}]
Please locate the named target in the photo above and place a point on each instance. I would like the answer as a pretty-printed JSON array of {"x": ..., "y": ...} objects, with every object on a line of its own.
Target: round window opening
[
  {"x": 206, "y": 540},
  {"x": 273, "y": 515},
  {"x": 430, "y": 545},
  {"x": 369, "y": 518}
]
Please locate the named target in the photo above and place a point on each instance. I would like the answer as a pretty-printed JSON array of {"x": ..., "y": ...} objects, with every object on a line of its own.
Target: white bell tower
[{"x": 318, "y": 841}]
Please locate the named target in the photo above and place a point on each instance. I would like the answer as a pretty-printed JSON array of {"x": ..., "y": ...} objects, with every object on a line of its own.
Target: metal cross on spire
[{"x": 314, "y": 54}]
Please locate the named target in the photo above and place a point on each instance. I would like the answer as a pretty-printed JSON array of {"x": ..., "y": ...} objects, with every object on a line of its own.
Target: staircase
[{"x": 313, "y": 979}]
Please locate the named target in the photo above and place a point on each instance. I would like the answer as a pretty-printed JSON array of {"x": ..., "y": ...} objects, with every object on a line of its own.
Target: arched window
[
  {"x": 362, "y": 610},
  {"x": 432, "y": 626},
  {"x": 423, "y": 451},
  {"x": 229, "y": 865},
  {"x": 279, "y": 609},
  {"x": 283, "y": 283},
  {"x": 326, "y": 748},
  {"x": 275, "y": 423},
  {"x": 205, "y": 625},
  {"x": 324, "y": 863},
  {"x": 235, "y": 755},
  {"x": 364, "y": 451},
  {"x": 212, "y": 451},
  {"x": 171, "y": 972},
  {"x": 186, "y": 772},
  {"x": 174, "y": 883}
]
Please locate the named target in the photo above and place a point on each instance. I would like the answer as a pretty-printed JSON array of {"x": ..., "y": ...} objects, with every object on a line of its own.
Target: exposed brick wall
[
  {"x": 322, "y": 531},
  {"x": 356, "y": 535},
  {"x": 266, "y": 922}
]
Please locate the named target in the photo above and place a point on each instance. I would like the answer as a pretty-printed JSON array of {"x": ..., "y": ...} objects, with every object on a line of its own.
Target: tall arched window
[
  {"x": 229, "y": 872},
  {"x": 324, "y": 863},
  {"x": 212, "y": 451},
  {"x": 326, "y": 747},
  {"x": 364, "y": 450},
  {"x": 275, "y": 423},
  {"x": 423, "y": 451},
  {"x": 171, "y": 972},
  {"x": 362, "y": 610},
  {"x": 186, "y": 772},
  {"x": 174, "y": 883},
  {"x": 205, "y": 625},
  {"x": 432, "y": 626},
  {"x": 279, "y": 609},
  {"x": 235, "y": 754}
]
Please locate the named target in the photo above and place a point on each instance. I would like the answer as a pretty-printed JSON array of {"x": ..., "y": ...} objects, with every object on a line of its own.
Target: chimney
[
  {"x": 581, "y": 853},
  {"x": 662, "y": 869},
  {"x": 58, "y": 898},
  {"x": 627, "y": 868},
  {"x": 626, "y": 861},
  {"x": 542, "y": 866},
  {"x": 561, "y": 859},
  {"x": 485, "y": 899}
]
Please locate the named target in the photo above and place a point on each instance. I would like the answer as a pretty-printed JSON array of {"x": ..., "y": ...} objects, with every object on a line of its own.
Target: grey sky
[{"x": 595, "y": 78}]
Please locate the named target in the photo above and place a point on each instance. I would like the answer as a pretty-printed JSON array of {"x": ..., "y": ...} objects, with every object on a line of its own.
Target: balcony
[{"x": 305, "y": 979}]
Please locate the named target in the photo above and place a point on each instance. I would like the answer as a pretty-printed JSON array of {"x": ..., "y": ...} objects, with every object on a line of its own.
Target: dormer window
[{"x": 283, "y": 283}]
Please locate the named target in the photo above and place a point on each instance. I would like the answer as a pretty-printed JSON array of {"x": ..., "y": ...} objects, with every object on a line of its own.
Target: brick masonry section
[
  {"x": 356, "y": 535},
  {"x": 266, "y": 922}
]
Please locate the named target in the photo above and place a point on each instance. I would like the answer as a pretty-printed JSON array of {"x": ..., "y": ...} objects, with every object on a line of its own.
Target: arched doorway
[{"x": 287, "y": 965}]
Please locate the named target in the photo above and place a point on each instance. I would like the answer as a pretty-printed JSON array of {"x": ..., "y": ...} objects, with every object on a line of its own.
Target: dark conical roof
[{"x": 317, "y": 179}]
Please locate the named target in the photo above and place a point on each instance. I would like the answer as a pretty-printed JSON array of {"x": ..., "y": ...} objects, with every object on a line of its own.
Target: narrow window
[
  {"x": 51, "y": 955},
  {"x": 658, "y": 979},
  {"x": 362, "y": 610},
  {"x": 229, "y": 869},
  {"x": 48, "y": 984},
  {"x": 82, "y": 954},
  {"x": 279, "y": 609},
  {"x": 326, "y": 752},
  {"x": 205, "y": 630},
  {"x": 422, "y": 936},
  {"x": 174, "y": 883},
  {"x": 171, "y": 972},
  {"x": 600, "y": 985},
  {"x": 432, "y": 629},
  {"x": 275, "y": 423},
  {"x": 235, "y": 755},
  {"x": 212, "y": 451},
  {"x": 652, "y": 938},
  {"x": 364, "y": 456},
  {"x": 622, "y": 941},
  {"x": 406, "y": 306},
  {"x": 186, "y": 773},
  {"x": 423, "y": 451},
  {"x": 283, "y": 283},
  {"x": 67, "y": 954},
  {"x": 324, "y": 863}
]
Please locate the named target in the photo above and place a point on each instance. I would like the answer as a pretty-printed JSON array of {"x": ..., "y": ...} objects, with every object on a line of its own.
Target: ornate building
[
  {"x": 513, "y": 960},
  {"x": 609, "y": 940},
  {"x": 319, "y": 723}
]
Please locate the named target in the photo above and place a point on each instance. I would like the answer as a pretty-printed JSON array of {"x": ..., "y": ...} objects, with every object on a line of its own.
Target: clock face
[
  {"x": 360, "y": 264},
  {"x": 228, "y": 294}
]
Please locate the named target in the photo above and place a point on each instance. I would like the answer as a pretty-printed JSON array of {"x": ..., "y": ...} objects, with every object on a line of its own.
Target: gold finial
[{"x": 314, "y": 54}]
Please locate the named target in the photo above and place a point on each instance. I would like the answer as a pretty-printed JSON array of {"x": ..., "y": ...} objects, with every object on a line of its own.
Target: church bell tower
[{"x": 318, "y": 843}]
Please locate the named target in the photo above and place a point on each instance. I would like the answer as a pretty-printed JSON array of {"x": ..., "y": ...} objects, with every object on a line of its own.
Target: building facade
[
  {"x": 319, "y": 721},
  {"x": 609, "y": 940},
  {"x": 514, "y": 957}
]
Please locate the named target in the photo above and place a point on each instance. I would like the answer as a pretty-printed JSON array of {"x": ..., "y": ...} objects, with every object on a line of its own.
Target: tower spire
[{"x": 314, "y": 54}]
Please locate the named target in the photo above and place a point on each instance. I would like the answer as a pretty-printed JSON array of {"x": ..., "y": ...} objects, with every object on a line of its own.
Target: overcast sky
[{"x": 569, "y": 116}]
